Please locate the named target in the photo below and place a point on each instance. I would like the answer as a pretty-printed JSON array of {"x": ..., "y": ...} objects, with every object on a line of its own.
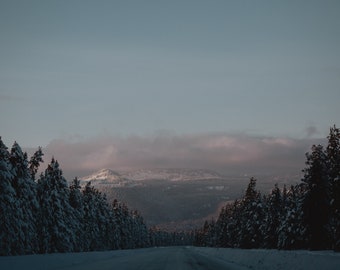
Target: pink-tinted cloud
[{"x": 236, "y": 153}]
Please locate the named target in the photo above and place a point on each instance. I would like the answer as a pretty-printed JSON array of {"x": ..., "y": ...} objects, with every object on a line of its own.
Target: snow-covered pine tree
[
  {"x": 114, "y": 226},
  {"x": 252, "y": 215},
  {"x": 35, "y": 161},
  {"x": 227, "y": 225},
  {"x": 211, "y": 238},
  {"x": 77, "y": 203},
  {"x": 292, "y": 232},
  {"x": 205, "y": 233},
  {"x": 273, "y": 212},
  {"x": 103, "y": 220},
  {"x": 222, "y": 224},
  {"x": 9, "y": 220},
  {"x": 138, "y": 231},
  {"x": 56, "y": 220},
  {"x": 144, "y": 232},
  {"x": 333, "y": 158},
  {"x": 126, "y": 227},
  {"x": 235, "y": 223},
  {"x": 91, "y": 223},
  {"x": 316, "y": 201},
  {"x": 26, "y": 193}
]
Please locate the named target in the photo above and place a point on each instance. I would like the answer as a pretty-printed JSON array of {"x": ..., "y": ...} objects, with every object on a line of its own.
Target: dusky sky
[{"x": 225, "y": 73}]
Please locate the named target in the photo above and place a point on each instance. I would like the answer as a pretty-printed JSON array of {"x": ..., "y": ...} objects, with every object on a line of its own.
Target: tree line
[
  {"x": 303, "y": 216},
  {"x": 47, "y": 215}
]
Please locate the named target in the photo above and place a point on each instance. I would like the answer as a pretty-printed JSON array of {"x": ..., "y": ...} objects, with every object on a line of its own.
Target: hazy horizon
[
  {"x": 228, "y": 154},
  {"x": 212, "y": 84}
]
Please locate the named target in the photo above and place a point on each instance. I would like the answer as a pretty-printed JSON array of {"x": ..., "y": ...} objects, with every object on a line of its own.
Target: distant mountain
[
  {"x": 168, "y": 198},
  {"x": 170, "y": 174},
  {"x": 175, "y": 198},
  {"x": 107, "y": 178},
  {"x": 132, "y": 177},
  {"x": 104, "y": 174}
]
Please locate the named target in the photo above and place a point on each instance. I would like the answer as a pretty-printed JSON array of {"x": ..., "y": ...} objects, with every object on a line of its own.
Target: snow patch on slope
[
  {"x": 132, "y": 177},
  {"x": 107, "y": 177},
  {"x": 170, "y": 174},
  {"x": 104, "y": 174}
]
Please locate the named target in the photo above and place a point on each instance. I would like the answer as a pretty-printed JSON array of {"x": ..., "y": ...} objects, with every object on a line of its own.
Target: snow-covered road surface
[
  {"x": 157, "y": 259},
  {"x": 179, "y": 258},
  {"x": 176, "y": 258}
]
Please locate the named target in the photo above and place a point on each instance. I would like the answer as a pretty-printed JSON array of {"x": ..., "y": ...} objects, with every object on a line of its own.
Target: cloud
[
  {"x": 226, "y": 153},
  {"x": 311, "y": 131}
]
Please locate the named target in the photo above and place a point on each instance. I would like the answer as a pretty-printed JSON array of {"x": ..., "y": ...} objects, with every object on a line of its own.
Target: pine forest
[{"x": 46, "y": 214}]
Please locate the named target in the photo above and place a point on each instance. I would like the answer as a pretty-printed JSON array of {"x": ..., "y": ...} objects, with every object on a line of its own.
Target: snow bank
[
  {"x": 276, "y": 259},
  {"x": 58, "y": 260}
]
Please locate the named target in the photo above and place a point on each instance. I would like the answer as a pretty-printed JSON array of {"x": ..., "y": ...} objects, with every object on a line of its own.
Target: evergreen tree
[
  {"x": 76, "y": 202},
  {"x": 56, "y": 220},
  {"x": 207, "y": 234},
  {"x": 292, "y": 232},
  {"x": 316, "y": 204},
  {"x": 9, "y": 220},
  {"x": 96, "y": 219},
  {"x": 139, "y": 231},
  {"x": 35, "y": 161},
  {"x": 115, "y": 231},
  {"x": 26, "y": 194},
  {"x": 333, "y": 158},
  {"x": 126, "y": 227},
  {"x": 227, "y": 225},
  {"x": 223, "y": 227},
  {"x": 103, "y": 220},
  {"x": 273, "y": 212},
  {"x": 252, "y": 214}
]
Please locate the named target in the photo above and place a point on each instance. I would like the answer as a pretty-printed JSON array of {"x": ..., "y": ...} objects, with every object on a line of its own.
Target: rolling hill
[{"x": 172, "y": 199}]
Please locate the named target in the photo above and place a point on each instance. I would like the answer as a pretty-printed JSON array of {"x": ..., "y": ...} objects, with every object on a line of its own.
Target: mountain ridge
[
  {"x": 171, "y": 174},
  {"x": 175, "y": 199}
]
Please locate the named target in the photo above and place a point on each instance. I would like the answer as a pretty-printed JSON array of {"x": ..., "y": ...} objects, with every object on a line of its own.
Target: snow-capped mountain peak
[
  {"x": 104, "y": 174},
  {"x": 110, "y": 176}
]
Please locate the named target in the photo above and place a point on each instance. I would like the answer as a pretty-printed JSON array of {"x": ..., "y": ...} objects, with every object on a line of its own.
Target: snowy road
[{"x": 179, "y": 258}]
